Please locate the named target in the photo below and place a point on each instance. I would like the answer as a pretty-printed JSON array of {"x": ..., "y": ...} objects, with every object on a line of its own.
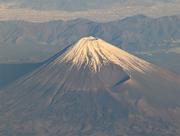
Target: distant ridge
[{"x": 42, "y": 40}]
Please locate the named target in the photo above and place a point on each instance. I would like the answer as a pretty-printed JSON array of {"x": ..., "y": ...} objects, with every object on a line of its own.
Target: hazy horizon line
[{"x": 100, "y": 15}]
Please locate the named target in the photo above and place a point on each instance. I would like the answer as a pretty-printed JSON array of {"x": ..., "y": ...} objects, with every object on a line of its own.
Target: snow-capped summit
[{"x": 94, "y": 53}]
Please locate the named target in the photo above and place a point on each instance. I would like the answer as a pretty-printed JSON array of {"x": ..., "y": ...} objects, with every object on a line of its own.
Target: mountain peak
[
  {"x": 89, "y": 38},
  {"x": 94, "y": 53},
  {"x": 88, "y": 51}
]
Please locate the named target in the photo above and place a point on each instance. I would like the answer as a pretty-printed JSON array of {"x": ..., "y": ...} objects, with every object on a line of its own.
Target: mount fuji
[{"x": 92, "y": 88}]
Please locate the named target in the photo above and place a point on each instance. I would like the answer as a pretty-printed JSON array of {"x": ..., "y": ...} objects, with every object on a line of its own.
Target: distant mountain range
[
  {"x": 32, "y": 42},
  {"x": 92, "y": 88}
]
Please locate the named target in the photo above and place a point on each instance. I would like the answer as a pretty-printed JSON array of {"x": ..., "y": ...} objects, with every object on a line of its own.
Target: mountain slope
[{"x": 92, "y": 89}]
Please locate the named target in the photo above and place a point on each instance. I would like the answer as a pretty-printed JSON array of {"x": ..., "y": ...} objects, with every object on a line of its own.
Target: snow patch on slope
[{"x": 94, "y": 53}]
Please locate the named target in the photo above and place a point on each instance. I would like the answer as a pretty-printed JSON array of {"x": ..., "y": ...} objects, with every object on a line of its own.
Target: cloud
[{"x": 107, "y": 14}]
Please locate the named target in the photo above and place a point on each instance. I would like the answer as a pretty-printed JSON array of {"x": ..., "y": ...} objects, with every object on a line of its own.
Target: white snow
[{"x": 94, "y": 53}]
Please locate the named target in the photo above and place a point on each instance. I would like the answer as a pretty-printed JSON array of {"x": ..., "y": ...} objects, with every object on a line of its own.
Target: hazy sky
[{"x": 99, "y": 10}]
